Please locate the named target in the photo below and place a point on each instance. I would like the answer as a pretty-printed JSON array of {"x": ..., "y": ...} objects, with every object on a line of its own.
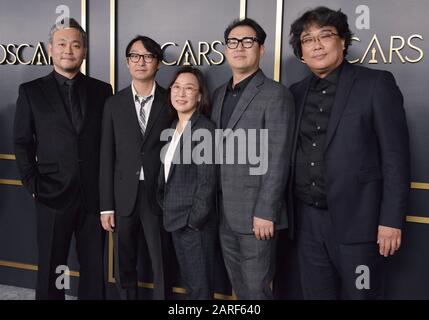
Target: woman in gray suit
[{"x": 187, "y": 182}]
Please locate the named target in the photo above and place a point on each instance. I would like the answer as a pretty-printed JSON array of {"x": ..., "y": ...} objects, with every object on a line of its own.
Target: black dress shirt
[
  {"x": 64, "y": 87},
  {"x": 232, "y": 97},
  {"x": 310, "y": 174}
]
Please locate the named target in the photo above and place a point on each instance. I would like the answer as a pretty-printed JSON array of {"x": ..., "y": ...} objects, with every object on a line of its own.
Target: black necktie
[{"x": 75, "y": 108}]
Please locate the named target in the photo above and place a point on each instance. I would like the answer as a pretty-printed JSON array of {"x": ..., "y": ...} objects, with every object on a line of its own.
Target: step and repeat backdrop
[{"x": 390, "y": 35}]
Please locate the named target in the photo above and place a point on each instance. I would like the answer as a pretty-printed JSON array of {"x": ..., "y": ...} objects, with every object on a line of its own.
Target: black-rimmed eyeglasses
[
  {"x": 135, "y": 57},
  {"x": 246, "y": 42}
]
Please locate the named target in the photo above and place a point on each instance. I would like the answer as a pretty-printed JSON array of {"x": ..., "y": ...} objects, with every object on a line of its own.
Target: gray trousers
[{"x": 250, "y": 263}]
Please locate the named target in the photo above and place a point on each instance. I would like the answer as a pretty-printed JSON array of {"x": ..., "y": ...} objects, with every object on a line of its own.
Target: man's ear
[
  {"x": 50, "y": 50},
  {"x": 261, "y": 50}
]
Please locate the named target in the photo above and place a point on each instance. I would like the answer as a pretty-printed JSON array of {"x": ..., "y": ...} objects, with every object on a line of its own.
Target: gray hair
[{"x": 66, "y": 24}]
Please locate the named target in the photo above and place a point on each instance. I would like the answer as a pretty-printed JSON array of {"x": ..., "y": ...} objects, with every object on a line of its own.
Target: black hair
[
  {"x": 65, "y": 24},
  {"x": 204, "y": 106},
  {"x": 321, "y": 16},
  {"x": 260, "y": 33},
  {"x": 151, "y": 45}
]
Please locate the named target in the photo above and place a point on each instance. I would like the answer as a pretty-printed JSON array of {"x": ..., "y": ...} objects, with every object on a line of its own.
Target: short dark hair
[
  {"x": 260, "y": 33},
  {"x": 151, "y": 45},
  {"x": 321, "y": 16},
  {"x": 204, "y": 106},
  {"x": 67, "y": 23}
]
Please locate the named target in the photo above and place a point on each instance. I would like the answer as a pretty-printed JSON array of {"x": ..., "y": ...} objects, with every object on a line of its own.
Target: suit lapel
[
  {"x": 51, "y": 92},
  {"x": 155, "y": 111},
  {"x": 345, "y": 84},
  {"x": 131, "y": 123},
  {"x": 178, "y": 156},
  {"x": 300, "y": 103},
  {"x": 249, "y": 93},
  {"x": 87, "y": 104},
  {"x": 219, "y": 103}
]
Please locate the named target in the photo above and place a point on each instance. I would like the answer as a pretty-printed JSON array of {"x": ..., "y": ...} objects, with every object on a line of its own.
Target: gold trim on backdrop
[
  {"x": 420, "y": 185},
  {"x": 416, "y": 219},
  {"x": 146, "y": 285},
  {"x": 26, "y": 266},
  {"x": 278, "y": 44},
  {"x": 18, "y": 265},
  {"x": 83, "y": 24},
  {"x": 219, "y": 296},
  {"x": 11, "y": 182},
  {"x": 4, "y": 156},
  {"x": 243, "y": 5},
  {"x": 112, "y": 43},
  {"x": 110, "y": 276}
]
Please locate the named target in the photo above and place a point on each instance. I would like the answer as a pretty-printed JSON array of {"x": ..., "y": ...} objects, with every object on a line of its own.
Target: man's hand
[
  {"x": 263, "y": 229},
  {"x": 108, "y": 221},
  {"x": 389, "y": 240}
]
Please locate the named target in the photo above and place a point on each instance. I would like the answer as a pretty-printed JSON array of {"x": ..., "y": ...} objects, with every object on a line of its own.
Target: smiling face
[
  {"x": 142, "y": 71},
  {"x": 67, "y": 51},
  {"x": 185, "y": 94},
  {"x": 323, "y": 56},
  {"x": 244, "y": 60}
]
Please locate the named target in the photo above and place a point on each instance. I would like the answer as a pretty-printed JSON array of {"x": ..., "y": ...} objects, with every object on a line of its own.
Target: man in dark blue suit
[{"x": 350, "y": 164}]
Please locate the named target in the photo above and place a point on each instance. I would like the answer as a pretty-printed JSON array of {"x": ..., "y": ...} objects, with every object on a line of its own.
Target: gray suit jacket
[{"x": 264, "y": 104}]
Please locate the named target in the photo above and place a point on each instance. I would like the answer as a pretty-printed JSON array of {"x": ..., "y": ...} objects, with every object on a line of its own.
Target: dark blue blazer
[{"x": 366, "y": 153}]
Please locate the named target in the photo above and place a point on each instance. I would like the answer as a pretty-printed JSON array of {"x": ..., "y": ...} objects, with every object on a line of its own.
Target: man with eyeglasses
[
  {"x": 130, "y": 146},
  {"x": 252, "y": 206},
  {"x": 350, "y": 164}
]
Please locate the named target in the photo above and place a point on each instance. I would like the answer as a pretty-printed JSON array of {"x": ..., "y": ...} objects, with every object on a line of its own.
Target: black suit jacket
[
  {"x": 56, "y": 162},
  {"x": 124, "y": 151},
  {"x": 366, "y": 153},
  {"x": 188, "y": 197}
]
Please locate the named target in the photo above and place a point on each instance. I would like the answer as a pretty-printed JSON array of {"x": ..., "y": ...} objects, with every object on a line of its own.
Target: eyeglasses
[
  {"x": 135, "y": 57},
  {"x": 246, "y": 42},
  {"x": 175, "y": 88},
  {"x": 324, "y": 37}
]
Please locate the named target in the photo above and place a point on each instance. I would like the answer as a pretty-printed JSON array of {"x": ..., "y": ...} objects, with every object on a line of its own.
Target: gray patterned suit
[{"x": 264, "y": 104}]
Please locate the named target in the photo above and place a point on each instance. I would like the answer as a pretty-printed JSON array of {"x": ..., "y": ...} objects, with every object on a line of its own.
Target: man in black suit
[
  {"x": 57, "y": 137},
  {"x": 350, "y": 164},
  {"x": 130, "y": 160}
]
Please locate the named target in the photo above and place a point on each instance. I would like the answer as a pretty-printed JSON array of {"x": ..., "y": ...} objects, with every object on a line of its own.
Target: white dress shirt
[{"x": 170, "y": 152}]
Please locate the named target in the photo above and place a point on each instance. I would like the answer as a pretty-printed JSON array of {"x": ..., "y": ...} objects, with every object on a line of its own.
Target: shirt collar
[
  {"x": 152, "y": 93},
  {"x": 243, "y": 83},
  {"x": 331, "y": 78},
  {"x": 61, "y": 80}
]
